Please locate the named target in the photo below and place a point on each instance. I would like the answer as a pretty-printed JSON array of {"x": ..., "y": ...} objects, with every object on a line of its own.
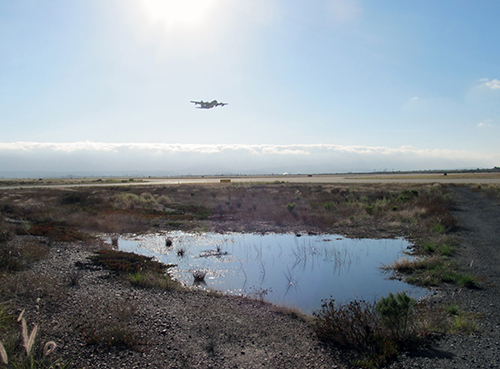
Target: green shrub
[
  {"x": 397, "y": 314},
  {"x": 126, "y": 200},
  {"x": 467, "y": 280},
  {"x": 430, "y": 247},
  {"x": 148, "y": 201},
  {"x": 329, "y": 206},
  {"x": 452, "y": 309},
  {"x": 164, "y": 200},
  {"x": 446, "y": 250},
  {"x": 290, "y": 207},
  {"x": 150, "y": 279},
  {"x": 439, "y": 228}
]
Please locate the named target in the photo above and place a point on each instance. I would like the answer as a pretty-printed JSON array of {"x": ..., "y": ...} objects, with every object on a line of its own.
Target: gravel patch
[{"x": 479, "y": 252}]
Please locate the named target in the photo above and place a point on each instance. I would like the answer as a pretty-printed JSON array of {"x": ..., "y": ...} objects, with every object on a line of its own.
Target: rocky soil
[
  {"x": 192, "y": 329},
  {"x": 479, "y": 251},
  {"x": 177, "y": 329}
]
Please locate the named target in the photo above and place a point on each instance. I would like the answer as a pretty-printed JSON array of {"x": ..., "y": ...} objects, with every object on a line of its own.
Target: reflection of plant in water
[
  {"x": 305, "y": 253},
  {"x": 262, "y": 270},
  {"x": 292, "y": 282},
  {"x": 259, "y": 293}
]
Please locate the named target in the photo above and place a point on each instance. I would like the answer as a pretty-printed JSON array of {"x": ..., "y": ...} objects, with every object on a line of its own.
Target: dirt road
[{"x": 479, "y": 251}]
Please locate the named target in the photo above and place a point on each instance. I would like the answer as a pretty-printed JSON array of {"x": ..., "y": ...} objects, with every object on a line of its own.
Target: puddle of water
[{"x": 282, "y": 268}]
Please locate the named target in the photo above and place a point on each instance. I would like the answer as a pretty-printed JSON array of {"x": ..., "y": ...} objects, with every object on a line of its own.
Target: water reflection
[{"x": 285, "y": 269}]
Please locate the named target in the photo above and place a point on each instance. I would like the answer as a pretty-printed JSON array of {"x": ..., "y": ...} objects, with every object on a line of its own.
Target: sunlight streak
[{"x": 174, "y": 14}]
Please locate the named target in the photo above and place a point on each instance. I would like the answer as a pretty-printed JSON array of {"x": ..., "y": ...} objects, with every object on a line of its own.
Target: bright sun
[{"x": 177, "y": 13}]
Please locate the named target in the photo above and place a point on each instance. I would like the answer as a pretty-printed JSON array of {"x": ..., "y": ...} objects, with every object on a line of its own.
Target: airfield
[
  {"x": 464, "y": 178},
  {"x": 480, "y": 178}
]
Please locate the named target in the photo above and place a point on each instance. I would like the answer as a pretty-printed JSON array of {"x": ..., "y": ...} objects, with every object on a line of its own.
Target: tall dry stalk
[
  {"x": 28, "y": 340},
  {"x": 3, "y": 354}
]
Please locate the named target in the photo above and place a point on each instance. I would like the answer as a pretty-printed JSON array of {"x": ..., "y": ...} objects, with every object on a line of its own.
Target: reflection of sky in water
[{"x": 295, "y": 271}]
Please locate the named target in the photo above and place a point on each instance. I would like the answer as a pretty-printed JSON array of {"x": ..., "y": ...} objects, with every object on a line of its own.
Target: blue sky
[{"x": 324, "y": 85}]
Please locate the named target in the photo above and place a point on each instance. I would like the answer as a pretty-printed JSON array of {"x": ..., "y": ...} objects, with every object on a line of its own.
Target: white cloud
[
  {"x": 113, "y": 158},
  {"x": 486, "y": 123},
  {"x": 494, "y": 84}
]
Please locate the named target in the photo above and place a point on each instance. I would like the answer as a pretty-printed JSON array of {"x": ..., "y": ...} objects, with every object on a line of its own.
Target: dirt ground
[
  {"x": 190, "y": 329},
  {"x": 479, "y": 251}
]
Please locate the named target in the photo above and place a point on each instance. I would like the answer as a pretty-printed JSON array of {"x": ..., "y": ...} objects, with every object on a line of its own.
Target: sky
[{"x": 323, "y": 86}]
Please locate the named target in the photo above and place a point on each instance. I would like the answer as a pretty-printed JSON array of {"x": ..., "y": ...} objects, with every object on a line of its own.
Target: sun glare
[{"x": 177, "y": 13}]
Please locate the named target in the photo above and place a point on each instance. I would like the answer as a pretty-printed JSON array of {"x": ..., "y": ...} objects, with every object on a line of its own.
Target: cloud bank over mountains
[{"x": 202, "y": 159}]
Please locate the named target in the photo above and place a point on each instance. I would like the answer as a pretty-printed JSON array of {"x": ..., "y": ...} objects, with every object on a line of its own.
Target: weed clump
[
  {"x": 139, "y": 270},
  {"x": 467, "y": 280},
  {"x": 199, "y": 276},
  {"x": 377, "y": 332},
  {"x": 127, "y": 262},
  {"x": 110, "y": 323}
]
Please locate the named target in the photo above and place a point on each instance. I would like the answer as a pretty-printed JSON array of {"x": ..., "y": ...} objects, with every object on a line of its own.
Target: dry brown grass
[
  {"x": 33, "y": 286},
  {"x": 110, "y": 322},
  {"x": 72, "y": 214}
]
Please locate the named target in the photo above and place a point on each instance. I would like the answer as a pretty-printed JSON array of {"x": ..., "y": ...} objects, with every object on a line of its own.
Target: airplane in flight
[{"x": 208, "y": 105}]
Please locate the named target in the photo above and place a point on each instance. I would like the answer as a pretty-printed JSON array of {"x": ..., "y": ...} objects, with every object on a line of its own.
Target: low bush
[
  {"x": 32, "y": 285},
  {"x": 110, "y": 323},
  {"x": 375, "y": 331},
  {"x": 351, "y": 326},
  {"x": 17, "y": 256}
]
